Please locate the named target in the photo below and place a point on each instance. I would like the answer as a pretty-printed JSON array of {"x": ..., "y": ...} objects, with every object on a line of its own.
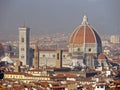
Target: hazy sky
[{"x": 63, "y": 16}]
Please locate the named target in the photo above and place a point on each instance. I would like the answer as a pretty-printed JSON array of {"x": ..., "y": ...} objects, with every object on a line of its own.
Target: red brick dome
[{"x": 84, "y": 34}]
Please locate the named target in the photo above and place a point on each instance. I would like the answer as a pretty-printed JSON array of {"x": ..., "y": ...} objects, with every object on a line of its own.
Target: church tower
[
  {"x": 24, "y": 35},
  {"x": 36, "y": 57}
]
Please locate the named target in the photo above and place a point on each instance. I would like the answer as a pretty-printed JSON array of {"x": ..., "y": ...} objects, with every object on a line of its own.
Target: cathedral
[
  {"x": 84, "y": 50},
  {"x": 85, "y": 45}
]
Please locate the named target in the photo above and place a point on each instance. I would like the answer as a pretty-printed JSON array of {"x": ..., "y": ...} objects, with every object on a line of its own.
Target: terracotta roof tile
[{"x": 84, "y": 34}]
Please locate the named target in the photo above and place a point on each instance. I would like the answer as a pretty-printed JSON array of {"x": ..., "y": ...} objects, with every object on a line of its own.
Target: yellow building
[{"x": 26, "y": 78}]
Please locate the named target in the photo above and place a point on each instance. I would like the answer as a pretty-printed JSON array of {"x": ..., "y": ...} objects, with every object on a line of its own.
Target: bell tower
[{"x": 24, "y": 35}]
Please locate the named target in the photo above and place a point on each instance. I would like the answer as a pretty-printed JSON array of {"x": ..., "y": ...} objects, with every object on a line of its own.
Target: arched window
[
  {"x": 22, "y": 39},
  {"x": 43, "y": 55},
  {"x": 89, "y": 49},
  {"x": 78, "y": 49},
  {"x": 22, "y": 49},
  {"x": 58, "y": 56},
  {"x": 22, "y": 56},
  {"x": 63, "y": 56},
  {"x": 53, "y": 55}
]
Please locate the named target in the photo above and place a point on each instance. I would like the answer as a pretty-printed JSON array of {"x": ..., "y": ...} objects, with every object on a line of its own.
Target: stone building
[{"x": 84, "y": 45}]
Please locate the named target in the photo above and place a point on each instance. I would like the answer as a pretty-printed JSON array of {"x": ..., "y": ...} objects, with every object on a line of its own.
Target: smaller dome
[{"x": 101, "y": 56}]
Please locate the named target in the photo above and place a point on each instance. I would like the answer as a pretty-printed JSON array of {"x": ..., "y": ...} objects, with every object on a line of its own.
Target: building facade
[
  {"x": 48, "y": 58},
  {"x": 24, "y": 34},
  {"x": 84, "y": 47},
  {"x": 115, "y": 39}
]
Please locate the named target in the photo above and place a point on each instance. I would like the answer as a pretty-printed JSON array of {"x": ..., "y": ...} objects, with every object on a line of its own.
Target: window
[
  {"x": 63, "y": 56},
  {"x": 97, "y": 86},
  {"x": 58, "y": 56},
  {"x": 22, "y": 49},
  {"x": 43, "y": 55},
  {"x": 53, "y": 56},
  {"x": 22, "y": 39},
  {"x": 22, "y": 56},
  {"x": 89, "y": 49},
  {"x": 78, "y": 49}
]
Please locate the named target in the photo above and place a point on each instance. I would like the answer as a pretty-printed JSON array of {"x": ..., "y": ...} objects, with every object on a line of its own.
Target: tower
[
  {"x": 59, "y": 59},
  {"x": 36, "y": 57},
  {"x": 24, "y": 34}
]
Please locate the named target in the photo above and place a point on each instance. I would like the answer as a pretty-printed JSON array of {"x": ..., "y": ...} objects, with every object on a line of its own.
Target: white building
[
  {"x": 7, "y": 59},
  {"x": 24, "y": 44},
  {"x": 115, "y": 39},
  {"x": 105, "y": 43},
  {"x": 48, "y": 58}
]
